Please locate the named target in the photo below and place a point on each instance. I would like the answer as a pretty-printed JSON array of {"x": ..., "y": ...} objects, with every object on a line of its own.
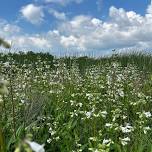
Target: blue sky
[{"x": 77, "y": 25}]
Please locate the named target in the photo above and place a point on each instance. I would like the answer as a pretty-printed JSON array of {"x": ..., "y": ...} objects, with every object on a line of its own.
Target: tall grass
[{"x": 77, "y": 104}]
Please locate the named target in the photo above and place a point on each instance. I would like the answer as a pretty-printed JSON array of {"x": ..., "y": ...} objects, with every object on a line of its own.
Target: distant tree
[{"x": 4, "y": 43}]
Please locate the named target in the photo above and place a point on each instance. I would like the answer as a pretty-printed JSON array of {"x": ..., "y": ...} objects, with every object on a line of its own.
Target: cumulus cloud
[
  {"x": 69, "y": 41},
  {"x": 58, "y": 15},
  {"x": 123, "y": 30},
  {"x": 32, "y": 13},
  {"x": 7, "y": 29},
  {"x": 12, "y": 29},
  {"x": 15, "y": 34},
  {"x": 31, "y": 42}
]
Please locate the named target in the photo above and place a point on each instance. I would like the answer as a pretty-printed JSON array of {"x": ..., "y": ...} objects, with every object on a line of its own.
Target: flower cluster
[{"x": 102, "y": 108}]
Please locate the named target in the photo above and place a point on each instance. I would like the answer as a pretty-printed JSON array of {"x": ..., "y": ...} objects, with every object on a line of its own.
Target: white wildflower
[
  {"x": 49, "y": 140},
  {"x": 124, "y": 141},
  {"x": 93, "y": 138},
  {"x": 121, "y": 93},
  {"x": 147, "y": 114},
  {"x": 80, "y": 104},
  {"x": 88, "y": 114},
  {"x": 146, "y": 129},
  {"x": 106, "y": 141},
  {"x": 103, "y": 114},
  {"x": 35, "y": 146},
  {"x": 128, "y": 128},
  {"x": 108, "y": 125}
]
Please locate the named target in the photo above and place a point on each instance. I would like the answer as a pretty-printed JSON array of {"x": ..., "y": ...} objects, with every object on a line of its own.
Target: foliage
[
  {"x": 77, "y": 104},
  {"x": 4, "y": 43}
]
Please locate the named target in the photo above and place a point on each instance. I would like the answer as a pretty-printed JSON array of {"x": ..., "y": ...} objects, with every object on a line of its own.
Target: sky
[{"x": 77, "y": 26}]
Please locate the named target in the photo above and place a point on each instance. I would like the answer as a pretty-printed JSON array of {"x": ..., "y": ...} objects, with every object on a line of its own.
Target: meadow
[{"x": 75, "y": 104}]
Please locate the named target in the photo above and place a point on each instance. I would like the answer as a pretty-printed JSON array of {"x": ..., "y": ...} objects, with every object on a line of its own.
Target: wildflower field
[{"x": 75, "y": 104}]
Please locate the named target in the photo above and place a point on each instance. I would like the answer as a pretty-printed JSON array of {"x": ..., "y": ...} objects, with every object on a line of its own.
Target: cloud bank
[{"x": 123, "y": 29}]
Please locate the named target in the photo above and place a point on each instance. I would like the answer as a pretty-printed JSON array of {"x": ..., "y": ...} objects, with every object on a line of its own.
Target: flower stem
[{"x": 13, "y": 107}]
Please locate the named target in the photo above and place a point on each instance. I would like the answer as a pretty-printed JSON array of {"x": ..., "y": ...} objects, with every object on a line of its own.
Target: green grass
[{"x": 75, "y": 104}]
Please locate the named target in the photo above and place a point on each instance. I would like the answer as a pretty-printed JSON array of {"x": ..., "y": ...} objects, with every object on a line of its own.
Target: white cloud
[
  {"x": 72, "y": 42},
  {"x": 14, "y": 33},
  {"x": 96, "y": 22},
  {"x": 123, "y": 29},
  {"x": 79, "y": 21},
  {"x": 149, "y": 9},
  {"x": 125, "y": 19},
  {"x": 63, "y": 2},
  {"x": 7, "y": 29},
  {"x": 69, "y": 41},
  {"x": 40, "y": 42},
  {"x": 32, "y": 13},
  {"x": 31, "y": 42},
  {"x": 99, "y": 4},
  {"x": 12, "y": 29},
  {"x": 58, "y": 15}
]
